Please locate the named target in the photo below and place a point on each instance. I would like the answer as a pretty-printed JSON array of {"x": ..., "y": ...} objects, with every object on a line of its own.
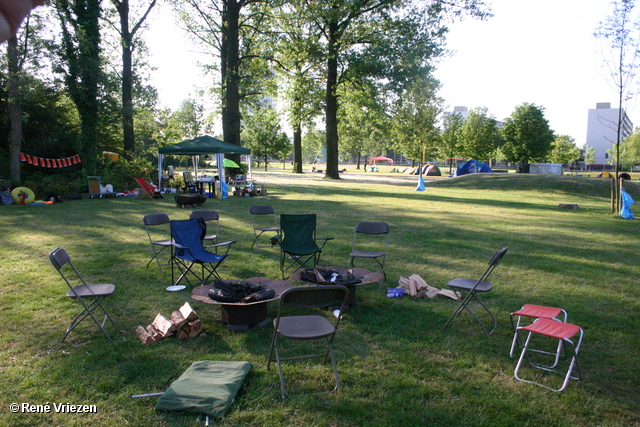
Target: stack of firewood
[
  {"x": 182, "y": 323},
  {"x": 418, "y": 288}
]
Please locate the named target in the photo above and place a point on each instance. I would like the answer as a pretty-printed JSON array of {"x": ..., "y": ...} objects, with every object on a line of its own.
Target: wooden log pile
[
  {"x": 418, "y": 288},
  {"x": 181, "y": 324}
]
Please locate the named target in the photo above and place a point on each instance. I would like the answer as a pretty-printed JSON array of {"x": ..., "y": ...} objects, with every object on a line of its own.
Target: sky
[{"x": 541, "y": 52}]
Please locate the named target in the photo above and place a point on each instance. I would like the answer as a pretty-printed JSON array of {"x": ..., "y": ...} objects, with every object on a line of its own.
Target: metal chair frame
[
  {"x": 561, "y": 331},
  {"x": 472, "y": 288},
  {"x": 263, "y": 226},
  {"x": 536, "y": 312},
  {"x": 90, "y": 296},
  {"x": 154, "y": 220},
  {"x": 371, "y": 228},
  {"x": 308, "y": 327},
  {"x": 212, "y": 216}
]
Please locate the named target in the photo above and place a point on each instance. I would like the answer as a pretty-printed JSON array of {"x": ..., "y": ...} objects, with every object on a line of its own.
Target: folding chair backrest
[
  {"x": 315, "y": 296},
  {"x": 299, "y": 232},
  {"x": 369, "y": 227},
  {"x": 205, "y": 215},
  {"x": 261, "y": 210},
  {"x": 493, "y": 263},
  {"x": 59, "y": 258},
  {"x": 188, "y": 178},
  {"x": 151, "y": 220},
  {"x": 189, "y": 233}
]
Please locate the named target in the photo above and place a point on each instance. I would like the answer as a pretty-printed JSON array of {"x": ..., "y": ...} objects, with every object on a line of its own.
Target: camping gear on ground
[
  {"x": 23, "y": 195},
  {"x": 90, "y": 296},
  {"x": 307, "y": 327},
  {"x": 473, "y": 287},
  {"x": 150, "y": 189},
  {"x": 420, "y": 186},
  {"x": 157, "y": 245},
  {"x": 206, "y": 387},
  {"x": 97, "y": 190},
  {"x": 297, "y": 241},
  {"x": 561, "y": 331}
]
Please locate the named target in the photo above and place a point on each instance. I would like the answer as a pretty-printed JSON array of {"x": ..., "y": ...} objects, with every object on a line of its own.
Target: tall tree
[
  {"x": 81, "y": 67},
  {"x": 127, "y": 37},
  {"x": 619, "y": 35},
  {"x": 382, "y": 40},
  {"x": 264, "y": 136},
  {"x": 479, "y": 137},
  {"x": 14, "y": 106},
  {"x": 527, "y": 134},
  {"x": 449, "y": 146},
  {"x": 228, "y": 27},
  {"x": 564, "y": 150}
]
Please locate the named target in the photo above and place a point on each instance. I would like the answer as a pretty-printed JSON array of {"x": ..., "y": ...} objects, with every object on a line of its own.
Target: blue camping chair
[{"x": 187, "y": 251}]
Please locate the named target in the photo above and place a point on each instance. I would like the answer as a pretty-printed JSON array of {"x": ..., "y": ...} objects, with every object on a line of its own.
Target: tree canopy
[{"x": 527, "y": 135}]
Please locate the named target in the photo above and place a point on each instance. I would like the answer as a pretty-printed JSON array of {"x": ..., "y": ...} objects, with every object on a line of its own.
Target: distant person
[{"x": 12, "y": 12}]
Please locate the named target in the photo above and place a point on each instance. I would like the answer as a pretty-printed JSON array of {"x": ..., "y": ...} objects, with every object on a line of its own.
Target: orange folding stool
[{"x": 535, "y": 312}]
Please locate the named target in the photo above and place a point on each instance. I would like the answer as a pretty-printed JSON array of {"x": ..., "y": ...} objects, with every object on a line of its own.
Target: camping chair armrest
[
  {"x": 177, "y": 245},
  {"x": 326, "y": 239},
  {"x": 219, "y": 245},
  {"x": 276, "y": 240}
]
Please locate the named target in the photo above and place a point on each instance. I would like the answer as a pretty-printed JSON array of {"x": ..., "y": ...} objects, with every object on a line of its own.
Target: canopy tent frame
[{"x": 203, "y": 145}]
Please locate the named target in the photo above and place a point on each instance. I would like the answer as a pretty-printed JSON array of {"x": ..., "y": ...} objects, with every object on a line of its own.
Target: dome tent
[{"x": 472, "y": 166}]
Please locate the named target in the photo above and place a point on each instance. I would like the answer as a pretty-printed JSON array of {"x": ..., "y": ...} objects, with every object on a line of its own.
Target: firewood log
[{"x": 163, "y": 325}]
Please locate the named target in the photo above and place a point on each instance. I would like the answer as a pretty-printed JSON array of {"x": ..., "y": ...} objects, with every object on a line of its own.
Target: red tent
[{"x": 375, "y": 160}]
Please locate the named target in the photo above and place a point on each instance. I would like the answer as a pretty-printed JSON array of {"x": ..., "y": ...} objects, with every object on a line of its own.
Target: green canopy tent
[{"x": 199, "y": 146}]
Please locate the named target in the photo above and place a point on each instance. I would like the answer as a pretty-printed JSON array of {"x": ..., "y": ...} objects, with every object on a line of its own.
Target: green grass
[{"x": 397, "y": 365}]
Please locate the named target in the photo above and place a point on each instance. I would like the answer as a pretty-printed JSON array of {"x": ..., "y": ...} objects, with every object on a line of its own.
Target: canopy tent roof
[
  {"x": 203, "y": 145},
  {"x": 373, "y": 160}
]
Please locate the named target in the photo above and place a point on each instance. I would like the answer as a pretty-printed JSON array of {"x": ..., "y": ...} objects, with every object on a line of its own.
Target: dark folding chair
[
  {"x": 187, "y": 251},
  {"x": 473, "y": 287},
  {"x": 157, "y": 245},
  {"x": 263, "y": 220},
  {"x": 298, "y": 242},
  {"x": 363, "y": 249},
  {"x": 307, "y": 327},
  {"x": 212, "y": 238},
  {"x": 190, "y": 184},
  {"x": 90, "y": 296}
]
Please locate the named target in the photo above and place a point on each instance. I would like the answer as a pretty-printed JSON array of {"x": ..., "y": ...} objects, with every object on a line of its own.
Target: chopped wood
[
  {"x": 144, "y": 336},
  {"x": 178, "y": 319},
  {"x": 181, "y": 334},
  {"x": 449, "y": 293},
  {"x": 568, "y": 205},
  {"x": 154, "y": 332},
  {"x": 195, "y": 328},
  {"x": 188, "y": 313},
  {"x": 163, "y": 325}
]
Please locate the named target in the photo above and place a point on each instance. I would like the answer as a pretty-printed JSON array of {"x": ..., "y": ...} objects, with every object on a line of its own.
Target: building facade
[{"x": 602, "y": 128}]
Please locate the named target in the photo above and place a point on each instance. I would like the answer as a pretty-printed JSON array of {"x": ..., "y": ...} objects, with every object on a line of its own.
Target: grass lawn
[{"x": 397, "y": 366}]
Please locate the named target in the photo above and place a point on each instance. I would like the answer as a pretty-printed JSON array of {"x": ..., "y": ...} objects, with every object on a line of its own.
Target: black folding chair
[
  {"x": 212, "y": 238},
  {"x": 263, "y": 220},
  {"x": 473, "y": 287},
  {"x": 376, "y": 244},
  {"x": 307, "y": 327},
  {"x": 298, "y": 241},
  {"x": 90, "y": 296},
  {"x": 187, "y": 251},
  {"x": 157, "y": 245}
]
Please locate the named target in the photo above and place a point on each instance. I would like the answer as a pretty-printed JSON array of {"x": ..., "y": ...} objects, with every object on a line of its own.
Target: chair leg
[
  {"x": 88, "y": 312},
  {"x": 464, "y": 305}
]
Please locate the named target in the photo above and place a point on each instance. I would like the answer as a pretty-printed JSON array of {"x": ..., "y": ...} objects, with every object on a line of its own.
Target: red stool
[
  {"x": 535, "y": 312},
  {"x": 561, "y": 331}
]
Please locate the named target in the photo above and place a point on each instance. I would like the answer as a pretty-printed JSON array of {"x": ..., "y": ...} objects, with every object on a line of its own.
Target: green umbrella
[{"x": 228, "y": 163}]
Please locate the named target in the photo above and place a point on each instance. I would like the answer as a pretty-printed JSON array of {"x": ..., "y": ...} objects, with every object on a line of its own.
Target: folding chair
[
  {"x": 190, "y": 184},
  {"x": 473, "y": 287},
  {"x": 90, "y": 296},
  {"x": 263, "y": 220},
  {"x": 535, "y": 312},
  {"x": 297, "y": 241},
  {"x": 307, "y": 327},
  {"x": 187, "y": 251},
  {"x": 212, "y": 216},
  {"x": 157, "y": 245},
  {"x": 150, "y": 189},
  {"x": 561, "y": 331},
  {"x": 373, "y": 229}
]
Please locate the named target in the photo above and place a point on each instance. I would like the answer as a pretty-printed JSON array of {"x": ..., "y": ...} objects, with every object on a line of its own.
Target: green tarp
[
  {"x": 206, "y": 387},
  {"x": 203, "y": 145}
]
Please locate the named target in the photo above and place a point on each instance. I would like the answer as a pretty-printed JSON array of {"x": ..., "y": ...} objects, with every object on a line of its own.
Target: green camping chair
[{"x": 298, "y": 242}]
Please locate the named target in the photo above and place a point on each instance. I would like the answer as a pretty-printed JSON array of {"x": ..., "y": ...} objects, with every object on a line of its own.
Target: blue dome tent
[{"x": 472, "y": 166}]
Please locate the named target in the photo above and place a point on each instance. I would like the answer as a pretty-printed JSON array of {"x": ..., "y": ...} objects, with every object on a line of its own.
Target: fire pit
[
  {"x": 240, "y": 316},
  {"x": 351, "y": 278}
]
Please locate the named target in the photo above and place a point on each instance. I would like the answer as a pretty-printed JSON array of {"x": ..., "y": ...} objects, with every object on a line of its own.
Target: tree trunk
[
  {"x": 297, "y": 148},
  {"x": 128, "y": 133},
  {"x": 14, "y": 107},
  {"x": 331, "y": 112},
  {"x": 229, "y": 72}
]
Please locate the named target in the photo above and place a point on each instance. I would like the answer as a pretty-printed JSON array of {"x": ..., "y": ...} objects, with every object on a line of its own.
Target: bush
[{"x": 122, "y": 173}]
